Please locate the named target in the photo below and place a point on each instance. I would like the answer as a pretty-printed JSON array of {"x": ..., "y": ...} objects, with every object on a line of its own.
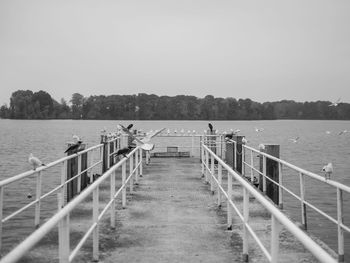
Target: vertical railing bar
[
  {"x": 251, "y": 167},
  {"x": 302, "y": 198},
  {"x": 112, "y": 193},
  {"x": 275, "y": 230},
  {"x": 63, "y": 181},
  {"x": 1, "y": 214},
  {"x": 63, "y": 233},
  {"x": 264, "y": 174},
  {"x": 280, "y": 186},
  {"x": 229, "y": 194},
  {"x": 340, "y": 222},
  {"x": 246, "y": 219},
  {"x": 131, "y": 168},
  {"x": 212, "y": 173},
  {"x": 38, "y": 199},
  {"x": 141, "y": 164},
  {"x": 123, "y": 184},
  {"x": 137, "y": 165},
  {"x": 220, "y": 183},
  {"x": 95, "y": 234},
  {"x": 207, "y": 166},
  {"x": 79, "y": 174}
]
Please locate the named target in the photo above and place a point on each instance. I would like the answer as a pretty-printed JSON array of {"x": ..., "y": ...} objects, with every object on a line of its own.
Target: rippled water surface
[{"x": 315, "y": 148}]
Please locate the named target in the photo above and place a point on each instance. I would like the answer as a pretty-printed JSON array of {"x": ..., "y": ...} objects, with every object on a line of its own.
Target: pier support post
[{"x": 270, "y": 168}]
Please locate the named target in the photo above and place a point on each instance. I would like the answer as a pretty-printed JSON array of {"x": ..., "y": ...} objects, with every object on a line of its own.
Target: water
[{"x": 47, "y": 140}]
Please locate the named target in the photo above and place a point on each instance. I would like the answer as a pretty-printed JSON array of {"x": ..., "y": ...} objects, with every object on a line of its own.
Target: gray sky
[{"x": 263, "y": 50}]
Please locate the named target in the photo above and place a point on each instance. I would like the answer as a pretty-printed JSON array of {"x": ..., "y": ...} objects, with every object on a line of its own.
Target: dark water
[{"x": 47, "y": 140}]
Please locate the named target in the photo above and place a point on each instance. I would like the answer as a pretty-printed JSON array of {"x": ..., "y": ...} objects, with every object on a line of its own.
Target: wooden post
[
  {"x": 104, "y": 153},
  {"x": 238, "y": 154},
  {"x": 229, "y": 154},
  {"x": 272, "y": 171},
  {"x": 212, "y": 141},
  {"x": 72, "y": 170}
]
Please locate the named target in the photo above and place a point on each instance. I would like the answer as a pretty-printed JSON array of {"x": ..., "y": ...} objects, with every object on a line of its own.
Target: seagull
[
  {"x": 328, "y": 169},
  {"x": 236, "y": 131},
  {"x": 34, "y": 161},
  {"x": 259, "y": 129},
  {"x": 76, "y": 138},
  {"x": 74, "y": 147},
  {"x": 244, "y": 140},
  {"x": 229, "y": 136},
  {"x": 103, "y": 131},
  {"x": 261, "y": 146},
  {"x": 210, "y": 127},
  {"x": 175, "y": 131},
  {"x": 328, "y": 132},
  {"x": 194, "y": 131},
  {"x": 342, "y": 132},
  {"x": 130, "y": 126},
  {"x": 295, "y": 140},
  {"x": 334, "y": 104},
  {"x": 123, "y": 151},
  {"x": 168, "y": 131}
]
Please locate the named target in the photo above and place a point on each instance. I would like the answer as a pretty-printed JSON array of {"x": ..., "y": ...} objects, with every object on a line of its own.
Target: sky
[{"x": 262, "y": 50}]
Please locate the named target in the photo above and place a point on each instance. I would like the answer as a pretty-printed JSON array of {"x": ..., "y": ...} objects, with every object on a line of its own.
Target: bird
[
  {"x": 168, "y": 131},
  {"x": 342, "y": 132},
  {"x": 104, "y": 131},
  {"x": 74, "y": 147},
  {"x": 294, "y": 140},
  {"x": 76, "y": 138},
  {"x": 334, "y": 104},
  {"x": 229, "y": 136},
  {"x": 34, "y": 161},
  {"x": 29, "y": 195},
  {"x": 210, "y": 127},
  {"x": 261, "y": 147},
  {"x": 123, "y": 151},
  {"x": 328, "y": 132},
  {"x": 194, "y": 131},
  {"x": 244, "y": 140},
  {"x": 130, "y": 126},
  {"x": 328, "y": 169},
  {"x": 259, "y": 129}
]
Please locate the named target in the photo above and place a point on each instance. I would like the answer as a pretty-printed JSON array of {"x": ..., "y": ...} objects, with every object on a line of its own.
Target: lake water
[{"x": 47, "y": 140}]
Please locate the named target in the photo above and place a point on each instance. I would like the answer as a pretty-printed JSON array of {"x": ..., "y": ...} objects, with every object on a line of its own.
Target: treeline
[{"x": 25, "y": 104}]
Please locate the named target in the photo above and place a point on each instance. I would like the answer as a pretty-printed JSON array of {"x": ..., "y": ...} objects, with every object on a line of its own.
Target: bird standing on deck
[
  {"x": 34, "y": 161},
  {"x": 210, "y": 127},
  {"x": 74, "y": 147}
]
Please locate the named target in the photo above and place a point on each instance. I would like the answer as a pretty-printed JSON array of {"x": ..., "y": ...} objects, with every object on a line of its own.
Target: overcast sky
[{"x": 263, "y": 50}]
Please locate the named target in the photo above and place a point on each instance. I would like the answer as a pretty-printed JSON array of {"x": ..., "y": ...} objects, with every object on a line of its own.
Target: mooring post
[
  {"x": 104, "y": 153},
  {"x": 238, "y": 152},
  {"x": 270, "y": 168}
]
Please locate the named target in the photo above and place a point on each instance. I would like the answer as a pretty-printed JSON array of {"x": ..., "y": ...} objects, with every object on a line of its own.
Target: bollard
[
  {"x": 237, "y": 153},
  {"x": 74, "y": 166},
  {"x": 271, "y": 169}
]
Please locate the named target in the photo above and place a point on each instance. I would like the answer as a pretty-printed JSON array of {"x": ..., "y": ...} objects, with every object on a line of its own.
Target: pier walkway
[{"x": 173, "y": 217}]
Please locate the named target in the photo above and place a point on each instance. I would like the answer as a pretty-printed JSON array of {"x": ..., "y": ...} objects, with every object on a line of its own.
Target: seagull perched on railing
[
  {"x": 261, "y": 147},
  {"x": 123, "y": 151},
  {"x": 244, "y": 140},
  {"x": 328, "y": 169},
  {"x": 34, "y": 161},
  {"x": 74, "y": 147}
]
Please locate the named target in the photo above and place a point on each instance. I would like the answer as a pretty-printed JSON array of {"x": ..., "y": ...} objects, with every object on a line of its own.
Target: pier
[{"x": 185, "y": 209}]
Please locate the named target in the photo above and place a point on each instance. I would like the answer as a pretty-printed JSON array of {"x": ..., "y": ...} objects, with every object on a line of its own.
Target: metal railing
[
  {"x": 61, "y": 218},
  {"x": 39, "y": 174},
  {"x": 278, "y": 219}
]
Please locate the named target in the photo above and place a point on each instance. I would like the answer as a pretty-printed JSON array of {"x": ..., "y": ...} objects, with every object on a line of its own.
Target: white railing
[
  {"x": 278, "y": 219},
  {"x": 61, "y": 218},
  {"x": 40, "y": 174}
]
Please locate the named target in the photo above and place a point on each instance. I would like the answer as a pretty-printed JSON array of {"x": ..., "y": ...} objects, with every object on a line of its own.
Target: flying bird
[
  {"x": 342, "y": 132},
  {"x": 34, "y": 161},
  {"x": 334, "y": 104},
  {"x": 130, "y": 126},
  {"x": 294, "y": 140},
  {"x": 74, "y": 147},
  {"x": 328, "y": 169},
  {"x": 210, "y": 127}
]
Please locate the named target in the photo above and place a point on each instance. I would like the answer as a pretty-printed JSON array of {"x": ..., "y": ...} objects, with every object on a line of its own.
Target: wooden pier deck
[{"x": 173, "y": 217}]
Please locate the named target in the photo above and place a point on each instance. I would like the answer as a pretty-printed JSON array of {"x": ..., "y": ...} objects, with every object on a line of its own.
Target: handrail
[
  {"x": 60, "y": 216},
  {"x": 276, "y": 214}
]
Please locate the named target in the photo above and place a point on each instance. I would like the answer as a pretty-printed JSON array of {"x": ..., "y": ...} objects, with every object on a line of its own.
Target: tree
[{"x": 77, "y": 105}]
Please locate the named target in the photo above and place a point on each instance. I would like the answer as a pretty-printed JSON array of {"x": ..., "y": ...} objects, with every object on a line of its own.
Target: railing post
[
  {"x": 202, "y": 158},
  {"x": 137, "y": 167},
  {"x": 192, "y": 145},
  {"x": 280, "y": 190},
  {"x": 220, "y": 183},
  {"x": 63, "y": 181},
  {"x": 131, "y": 168},
  {"x": 207, "y": 165},
  {"x": 38, "y": 199},
  {"x": 1, "y": 215},
  {"x": 251, "y": 167},
  {"x": 275, "y": 232},
  {"x": 229, "y": 208},
  {"x": 79, "y": 175},
  {"x": 246, "y": 218},
  {"x": 141, "y": 165},
  {"x": 234, "y": 155},
  {"x": 303, "y": 205},
  {"x": 123, "y": 184},
  {"x": 108, "y": 155},
  {"x": 112, "y": 180},
  {"x": 264, "y": 174},
  {"x": 63, "y": 233},
  {"x": 212, "y": 174},
  {"x": 340, "y": 222},
  {"x": 95, "y": 233}
]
